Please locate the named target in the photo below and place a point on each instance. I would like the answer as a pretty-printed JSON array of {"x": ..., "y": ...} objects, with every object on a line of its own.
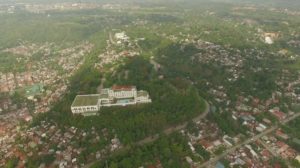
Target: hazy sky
[{"x": 276, "y": 3}]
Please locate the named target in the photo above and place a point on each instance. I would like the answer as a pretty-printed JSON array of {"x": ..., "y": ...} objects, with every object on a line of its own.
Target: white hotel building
[{"x": 115, "y": 96}]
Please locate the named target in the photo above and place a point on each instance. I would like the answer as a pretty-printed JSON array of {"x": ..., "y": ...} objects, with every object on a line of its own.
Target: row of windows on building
[
  {"x": 80, "y": 109},
  {"x": 123, "y": 94}
]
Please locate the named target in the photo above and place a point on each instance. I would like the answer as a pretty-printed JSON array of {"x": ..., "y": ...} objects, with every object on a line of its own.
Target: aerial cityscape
[{"x": 150, "y": 84}]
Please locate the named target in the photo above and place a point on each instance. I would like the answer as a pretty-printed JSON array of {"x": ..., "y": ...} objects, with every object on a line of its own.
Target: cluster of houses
[
  {"x": 9, "y": 129},
  {"x": 121, "y": 37},
  {"x": 246, "y": 109},
  {"x": 255, "y": 114},
  {"x": 276, "y": 143},
  {"x": 72, "y": 58},
  {"x": 41, "y": 85},
  {"x": 233, "y": 59},
  {"x": 211, "y": 138},
  {"x": 61, "y": 144},
  {"x": 115, "y": 49},
  {"x": 255, "y": 154},
  {"x": 112, "y": 56},
  {"x": 10, "y": 82},
  {"x": 249, "y": 156},
  {"x": 66, "y": 152},
  {"x": 260, "y": 152},
  {"x": 55, "y": 85},
  {"x": 114, "y": 96},
  {"x": 7, "y": 82},
  {"x": 41, "y": 73},
  {"x": 27, "y": 49},
  {"x": 42, "y": 8},
  {"x": 64, "y": 6},
  {"x": 6, "y": 8}
]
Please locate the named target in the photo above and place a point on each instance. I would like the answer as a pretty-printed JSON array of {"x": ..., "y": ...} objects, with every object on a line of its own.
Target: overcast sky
[{"x": 277, "y": 3}]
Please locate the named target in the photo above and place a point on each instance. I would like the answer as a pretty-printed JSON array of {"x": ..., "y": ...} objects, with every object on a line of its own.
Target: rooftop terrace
[{"x": 86, "y": 100}]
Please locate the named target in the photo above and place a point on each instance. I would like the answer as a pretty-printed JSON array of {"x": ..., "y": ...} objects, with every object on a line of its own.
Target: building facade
[
  {"x": 114, "y": 96},
  {"x": 85, "y": 104},
  {"x": 121, "y": 92}
]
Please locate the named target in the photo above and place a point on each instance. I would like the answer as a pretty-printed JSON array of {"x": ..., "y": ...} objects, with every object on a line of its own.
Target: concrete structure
[
  {"x": 86, "y": 104},
  {"x": 121, "y": 36},
  {"x": 114, "y": 96}
]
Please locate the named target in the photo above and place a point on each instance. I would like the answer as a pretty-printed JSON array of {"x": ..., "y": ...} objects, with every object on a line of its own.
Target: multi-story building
[
  {"x": 86, "y": 104},
  {"x": 121, "y": 92},
  {"x": 114, "y": 96}
]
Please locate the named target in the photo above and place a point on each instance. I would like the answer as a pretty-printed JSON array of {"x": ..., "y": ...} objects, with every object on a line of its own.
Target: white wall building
[
  {"x": 114, "y": 96},
  {"x": 121, "y": 36},
  {"x": 86, "y": 104},
  {"x": 120, "y": 92}
]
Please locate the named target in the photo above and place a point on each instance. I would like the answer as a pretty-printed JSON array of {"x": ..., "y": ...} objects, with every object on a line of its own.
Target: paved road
[
  {"x": 266, "y": 146},
  {"x": 212, "y": 161},
  {"x": 175, "y": 128}
]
